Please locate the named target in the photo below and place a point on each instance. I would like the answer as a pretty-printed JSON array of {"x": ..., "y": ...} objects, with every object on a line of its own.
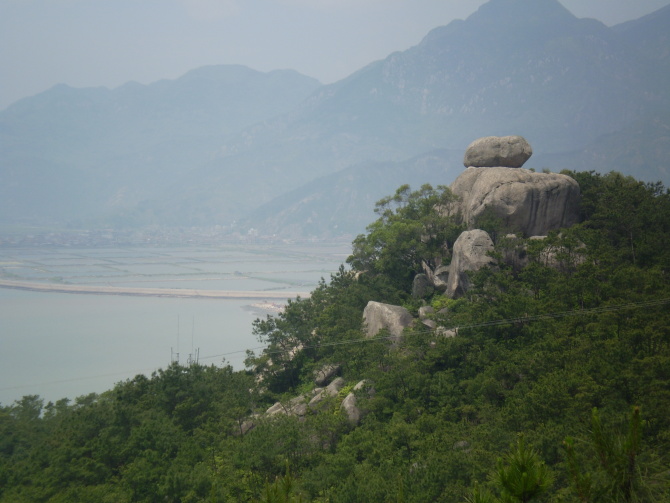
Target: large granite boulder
[
  {"x": 470, "y": 254},
  {"x": 378, "y": 316},
  {"x": 525, "y": 201},
  {"x": 505, "y": 151}
]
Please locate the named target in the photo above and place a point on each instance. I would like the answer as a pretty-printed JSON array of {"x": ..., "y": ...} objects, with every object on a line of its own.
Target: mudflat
[{"x": 148, "y": 292}]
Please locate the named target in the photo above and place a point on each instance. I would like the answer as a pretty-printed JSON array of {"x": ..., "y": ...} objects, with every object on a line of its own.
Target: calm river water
[{"x": 60, "y": 345}]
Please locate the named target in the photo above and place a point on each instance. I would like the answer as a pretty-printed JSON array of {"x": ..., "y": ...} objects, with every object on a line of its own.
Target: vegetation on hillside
[{"x": 556, "y": 388}]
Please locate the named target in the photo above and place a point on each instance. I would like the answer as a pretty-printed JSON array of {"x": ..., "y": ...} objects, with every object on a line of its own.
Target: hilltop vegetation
[{"x": 560, "y": 369}]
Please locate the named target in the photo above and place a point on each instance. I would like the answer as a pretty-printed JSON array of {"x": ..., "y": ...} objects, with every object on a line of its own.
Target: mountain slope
[
  {"x": 343, "y": 203},
  {"x": 220, "y": 143},
  {"x": 515, "y": 66},
  {"x": 117, "y": 147}
]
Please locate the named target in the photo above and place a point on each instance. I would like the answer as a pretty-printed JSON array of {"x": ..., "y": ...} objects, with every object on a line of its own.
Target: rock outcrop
[
  {"x": 325, "y": 374},
  {"x": 470, "y": 254},
  {"x": 329, "y": 391},
  {"x": 438, "y": 277},
  {"x": 378, "y": 316},
  {"x": 524, "y": 201},
  {"x": 422, "y": 286},
  {"x": 505, "y": 151},
  {"x": 350, "y": 408}
]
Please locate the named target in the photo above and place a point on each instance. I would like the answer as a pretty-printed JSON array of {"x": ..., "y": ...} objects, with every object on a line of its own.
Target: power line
[
  {"x": 491, "y": 323},
  {"x": 507, "y": 321}
]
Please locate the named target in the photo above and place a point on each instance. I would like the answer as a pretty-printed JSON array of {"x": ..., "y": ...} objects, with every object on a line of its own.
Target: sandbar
[{"x": 148, "y": 292}]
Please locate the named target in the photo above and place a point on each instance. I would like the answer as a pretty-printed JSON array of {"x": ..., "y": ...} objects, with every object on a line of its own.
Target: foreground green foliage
[{"x": 558, "y": 348}]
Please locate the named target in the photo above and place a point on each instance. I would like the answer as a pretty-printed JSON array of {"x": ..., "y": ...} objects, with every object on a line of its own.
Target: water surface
[{"x": 65, "y": 345}]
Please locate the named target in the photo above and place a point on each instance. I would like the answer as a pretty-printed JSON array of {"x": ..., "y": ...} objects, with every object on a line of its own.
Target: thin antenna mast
[
  {"x": 194, "y": 355},
  {"x": 174, "y": 356}
]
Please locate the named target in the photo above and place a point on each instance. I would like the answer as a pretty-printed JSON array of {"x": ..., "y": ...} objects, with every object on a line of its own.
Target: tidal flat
[{"x": 59, "y": 345}]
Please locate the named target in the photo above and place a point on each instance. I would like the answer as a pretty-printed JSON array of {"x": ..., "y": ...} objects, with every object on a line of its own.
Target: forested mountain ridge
[
  {"x": 541, "y": 345},
  {"x": 222, "y": 145},
  {"x": 73, "y": 152}
]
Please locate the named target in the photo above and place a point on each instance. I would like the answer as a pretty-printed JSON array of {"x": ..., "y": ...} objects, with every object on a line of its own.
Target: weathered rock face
[
  {"x": 329, "y": 391},
  {"x": 505, "y": 151},
  {"x": 438, "y": 277},
  {"x": 470, "y": 254},
  {"x": 421, "y": 286},
  {"x": 527, "y": 202},
  {"x": 378, "y": 316}
]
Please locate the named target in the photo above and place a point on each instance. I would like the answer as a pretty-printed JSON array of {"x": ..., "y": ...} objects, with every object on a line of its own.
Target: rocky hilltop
[
  {"x": 493, "y": 189},
  {"x": 524, "y": 201}
]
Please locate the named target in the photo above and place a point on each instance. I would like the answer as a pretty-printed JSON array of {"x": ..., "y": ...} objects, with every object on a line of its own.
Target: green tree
[
  {"x": 519, "y": 477},
  {"x": 613, "y": 470},
  {"x": 413, "y": 227}
]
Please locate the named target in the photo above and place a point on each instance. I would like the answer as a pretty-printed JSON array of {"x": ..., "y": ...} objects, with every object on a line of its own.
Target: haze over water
[{"x": 60, "y": 345}]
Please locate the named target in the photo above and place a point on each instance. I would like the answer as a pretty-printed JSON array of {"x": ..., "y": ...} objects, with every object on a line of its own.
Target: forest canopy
[{"x": 555, "y": 388}]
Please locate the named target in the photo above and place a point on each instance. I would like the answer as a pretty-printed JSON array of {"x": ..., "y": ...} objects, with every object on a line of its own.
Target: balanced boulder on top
[{"x": 498, "y": 151}]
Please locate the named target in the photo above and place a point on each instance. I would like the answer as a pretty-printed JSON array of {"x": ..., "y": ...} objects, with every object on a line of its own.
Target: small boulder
[
  {"x": 378, "y": 316},
  {"x": 441, "y": 278},
  {"x": 329, "y": 391},
  {"x": 351, "y": 409},
  {"x": 503, "y": 151},
  {"x": 432, "y": 324},
  {"x": 325, "y": 374},
  {"x": 246, "y": 427},
  {"x": 447, "y": 333},
  {"x": 421, "y": 286}
]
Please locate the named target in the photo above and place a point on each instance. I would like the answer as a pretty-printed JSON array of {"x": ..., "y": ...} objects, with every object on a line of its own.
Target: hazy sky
[{"x": 109, "y": 42}]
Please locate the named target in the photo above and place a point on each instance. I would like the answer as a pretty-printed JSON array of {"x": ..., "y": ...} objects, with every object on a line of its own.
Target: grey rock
[
  {"x": 334, "y": 387},
  {"x": 462, "y": 445},
  {"x": 298, "y": 406},
  {"x": 246, "y": 427},
  {"x": 295, "y": 407},
  {"x": 430, "y": 324},
  {"x": 438, "y": 277},
  {"x": 277, "y": 408},
  {"x": 360, "y": 385},
  {"x": 505, "y": 151},
  {"x": 447, "y": 332},
  {"x": 378, "y": 316},
  {"x": 325, "y": 373},
  {"x": 366, "y": 385},
  {"x": 441, "y": 277},
  {"x": 526, "y": 202},
  {"x": 329, "y": 391},
  {"x": 421, "y": 286},
  {"x": 470, "y": 254},
  {"x": 425, "y": 311},
  {"x": 350, "y": 407}
]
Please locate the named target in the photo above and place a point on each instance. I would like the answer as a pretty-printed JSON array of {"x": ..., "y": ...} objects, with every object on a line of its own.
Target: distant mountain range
[{"x": 280, "y": 153}]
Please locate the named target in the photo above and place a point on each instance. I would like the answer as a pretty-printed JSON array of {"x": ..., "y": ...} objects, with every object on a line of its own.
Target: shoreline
[{"x": 148, "y": 292}]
